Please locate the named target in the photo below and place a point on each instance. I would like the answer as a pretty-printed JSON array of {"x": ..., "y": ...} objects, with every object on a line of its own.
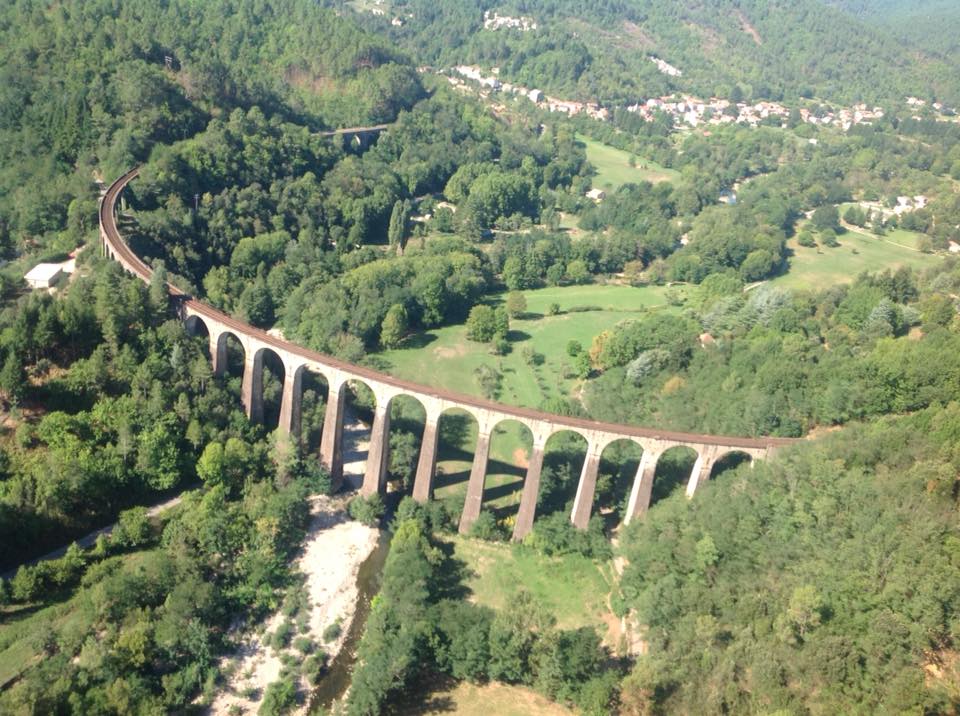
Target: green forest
[{"x": 821, "y": 580}]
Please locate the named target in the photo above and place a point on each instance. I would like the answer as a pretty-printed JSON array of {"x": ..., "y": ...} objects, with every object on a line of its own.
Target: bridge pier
[
  {"x": 478, "y": 472},
  {"x": 291, "y": 401},
  {"x": 378, "y": 454},
  {"x": 642, "y": 489},
  {"x": 427, "y": 463},
  {"x": 531, "y": 489},
  {"x": 331, "y": 441},
  {"x": 586, "y": 487},
  {"x": 218, "y": 354},
  {"x": 701, "y": 468},
  {"x": 251, "y": 391}
]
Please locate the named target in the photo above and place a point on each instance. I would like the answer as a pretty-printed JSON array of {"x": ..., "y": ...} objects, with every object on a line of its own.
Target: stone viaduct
[{"x": 296, "y": 360}]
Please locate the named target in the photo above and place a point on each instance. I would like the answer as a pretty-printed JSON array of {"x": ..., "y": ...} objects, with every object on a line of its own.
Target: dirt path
[{"x": 90, "y": 539}]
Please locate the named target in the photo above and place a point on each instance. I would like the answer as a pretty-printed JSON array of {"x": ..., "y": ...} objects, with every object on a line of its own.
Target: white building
[{"x": 44, "y": 275}]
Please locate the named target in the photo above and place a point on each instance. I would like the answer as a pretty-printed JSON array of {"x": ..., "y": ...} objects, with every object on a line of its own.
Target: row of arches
[{"x": 473, "y": 463}]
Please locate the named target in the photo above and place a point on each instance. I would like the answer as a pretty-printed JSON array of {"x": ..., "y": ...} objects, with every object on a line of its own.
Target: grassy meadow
[
  {"x": 821, "y": 267},
  {"x": 445, "y": 358},
  {"x": 614, "y": 170},
  {"x": 572, "y": 588}
]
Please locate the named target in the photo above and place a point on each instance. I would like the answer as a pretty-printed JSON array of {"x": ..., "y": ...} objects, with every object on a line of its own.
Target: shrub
[
  {"x": 367, "y": 510},
  {"x": 279, "y": 698},
  {"x": 281, "y": 637},
  {"x": 133, "y": 529},
  {"x": 553, "y": 309},
  {"x": 485, "y": 527},
  {"x": 333, "y": 631}
]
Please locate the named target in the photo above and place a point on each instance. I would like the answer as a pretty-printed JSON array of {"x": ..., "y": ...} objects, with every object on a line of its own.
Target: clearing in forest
[{"x": 614, "y": 170}]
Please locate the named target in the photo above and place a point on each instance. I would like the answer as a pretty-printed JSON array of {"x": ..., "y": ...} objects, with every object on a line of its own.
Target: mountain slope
[{"x": 601, "y": 50}]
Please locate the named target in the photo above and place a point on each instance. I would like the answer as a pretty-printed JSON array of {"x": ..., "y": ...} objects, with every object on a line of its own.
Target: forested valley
[{"x": 787, "y": 279}]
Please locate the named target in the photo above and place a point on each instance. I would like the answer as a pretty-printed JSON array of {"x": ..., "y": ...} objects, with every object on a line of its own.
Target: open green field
[
  {"x": 821, "y": 267},
  {"x": 614, "y": 170},
  {"x": 445, "y": 358},
  {"x": 461, "y": 698},
  {"x": 572, "y": 588}
]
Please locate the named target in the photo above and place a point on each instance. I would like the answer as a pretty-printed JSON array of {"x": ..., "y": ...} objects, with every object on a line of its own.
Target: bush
[
  {"x": 281, "y": 637},
  {"x": 315, "y": 476},
  {"x": 333, "y": 631},
  {"x": 279, "y": 698},
  {"x": 553, "y": 309},
  {"x": 133, "y": 529},
  {"x": 486, "y": 528},
  {"x": 500, "y": 347},
  {"x": 313, "y": 667},
  {"x": 367, "y": 510},
  {"x": 303, "y": 644}
]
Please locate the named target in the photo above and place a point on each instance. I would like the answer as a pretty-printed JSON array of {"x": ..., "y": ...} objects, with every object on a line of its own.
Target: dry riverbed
[{"x": 333, "y": 551}]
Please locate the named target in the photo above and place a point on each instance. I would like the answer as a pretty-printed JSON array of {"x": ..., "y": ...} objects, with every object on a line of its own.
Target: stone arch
[
  {"x": 196, "y": 326},
  {"x": 311, "y": 389},
  {"x": 564, "y": 453},
  {"x": 359, "y": 402},
  {"x": 620, "y": 459},
  {"x": 229, "y": 346},
  {"x": 458, "y": 437},
  {"x": 263, "y": 390},
  {"x": 728, "y": 460},
  {"x": 511, "y": 449},
  {"x": 672, "y": 473},
  {"x": 405, "y": 432}
]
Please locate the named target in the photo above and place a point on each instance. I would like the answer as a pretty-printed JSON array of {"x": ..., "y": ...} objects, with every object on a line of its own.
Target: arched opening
[
  {"x": 230, "y": 361},
  {"x": 315, "y": 392},
  {"x": 407, "y": 418},
  {"x": 673, "y": 472},
  {"x": 196, "y": 326},
  {"x": 456, "y": 448},
  {"x": 619, "y": 461},
  {"x": 359, "y": 404},
  {"x": 511, "y": 443},
  {"x": 272, "y": 374},
  {"x": 729, "y": 461},
  {"x": 563, "y": 458}
]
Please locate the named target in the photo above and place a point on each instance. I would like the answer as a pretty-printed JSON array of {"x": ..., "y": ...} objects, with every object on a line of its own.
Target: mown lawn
[
  {"x": 614, "y": 170},
  {"x": 821, "y": 267}
]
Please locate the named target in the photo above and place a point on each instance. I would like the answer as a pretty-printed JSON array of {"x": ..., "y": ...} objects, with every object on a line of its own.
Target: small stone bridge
[{"x": 297, "y": 360}]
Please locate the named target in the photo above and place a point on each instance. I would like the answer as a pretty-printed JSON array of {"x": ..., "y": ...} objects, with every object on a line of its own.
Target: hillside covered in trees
[
  {"x": 821, "y": 581},
  {"x": 600, "y": 51},
  {"x": 89, "y": 88}
]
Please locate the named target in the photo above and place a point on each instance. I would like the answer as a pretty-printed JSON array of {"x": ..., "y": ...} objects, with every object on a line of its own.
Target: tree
[
  {"x": 826, "y": 217},
  {"x": 578, "y": 272},
  {"x": 394, "y": 327},
  {"x": 481, "y": 324},
  {"x": 516, "y": 304},
  {"x": 514, "y": 274},
  {"x": 398, "y": 227},
  {"x": 13, "y": 379},
  {"x": 210, "y": 464},
  {"x": 828, "y": 237}
]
